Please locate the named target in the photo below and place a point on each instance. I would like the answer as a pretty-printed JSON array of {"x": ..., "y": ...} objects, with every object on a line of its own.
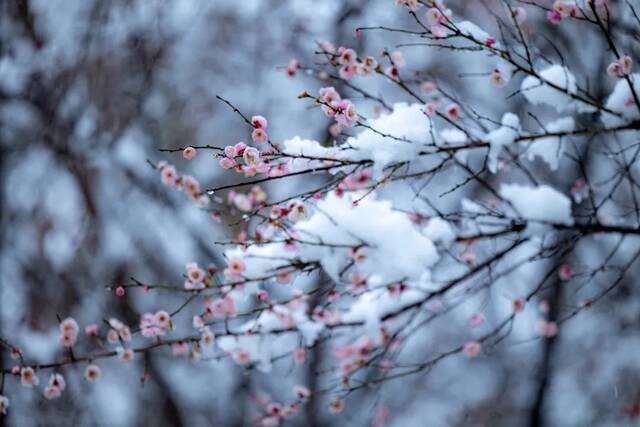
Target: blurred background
[{"x": 90, "y": 90}]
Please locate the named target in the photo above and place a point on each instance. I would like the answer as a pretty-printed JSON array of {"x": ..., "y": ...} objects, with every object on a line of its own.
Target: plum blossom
[
  {"x": 497, "y": 78},
  {"x": 28, "y": 377},
  {"x": 119, "y": 331},
  {"x": 547, "y": 329},
  {"x": 472, "y": 348},
  {"x": 4, "y": 404},
  {"x": 259, "y": 136},
  {"x": 620, "y": 68},
  {"x": 259, "y": 122},
  {"x": 476, "y": 319},
  {"x": 299, "y": 355},
  {"x": 453, "y": 111},
  {"x": 345, "y": 113},
  {"x": 92, "y": 373},
  {"x": 221, "y": 307},
  {"x": 293, "y": 65},
  {"x": 125, "y": 354},
  {"x": 347, "y": 56},
  {"x": 157, "y": 324},
  {"x": 336, "y": 406},
  {"x": 519, "y": 14},
  {"x": 206, "y": 337},
  {"x": 518, "y": 304},
  {"x": 412, "y": 5},
  {"x": 241, "y": 357},
  {"x": 195, "y": 277},
  {"x": 565, "y": 272},
  {"x": 55, "y": 387},
  {"x": 251, "y": 156},
  {"x": 302, "y": 393},
  {"x": 168, "y": 175},
  {"x": 189, "y": 153},
  {"x": 68, "y": 332},
  {"x": 235, "y": 267}
]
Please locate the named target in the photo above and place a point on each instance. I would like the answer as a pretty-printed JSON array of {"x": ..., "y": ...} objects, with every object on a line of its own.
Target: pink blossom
[
  {"x": 438, "y": 31},
  {"x": 497, "y": 79},
  {"x": 69, "y": 326},
  {"x": 347, "y": 71},
  {"x": 627, "y": 64},
  {"x": 412, "y": 5},
  {"x": 565, "y": 272},
  {"x": 198, "y": 322},
  {"x": 51, "y": 393},
  {"x": 91, "y": 330},
  {"x": 565, "y": 8},
  {"x": 393, "y": 73},
  {"x": 28, "y": 377},
  {"x": 453, "y": 111},
  {"x": 206, "y": 337},
  {"x": 347, "y": 57},
  {"x": 518, "y": 304},
  {"x": 430, "y": 108},
  {"x": 434, "y": 17},
  {"x": 189, "y": 153},
  {"x": 292, "y": 67},
  {"x": 230, "y": 151},
  {"x": 236, "y": 266},
  {"x": 546, "y": 329},
  {"x": 4, "y": 404},
  {"x": 299, "y": 355},
  {"x": 169, "y": 176},
  {"x": 15, "y": 353},
  {"x": 191, "y": 185},
  {"x": 296, "y": 210},
  {"x": 125, "y": 355},
  {"x": 179, "y": 349},
  {"x": 195, "y": 273},
  {"x": 428, "y": 86},
  {"x": 259, "y": 122},
  {"x": 336, "y": 406},
  {"x": 112, "y": 336},
  {"x": 369, "y": 64},
  {"x": 67, "y": 340},
  {"x": 272, "y": 421},
  {"x": 398, "y": 59},
  {"x": 120, "y": 291},
  {"x": 615, "y": 69},
  {"x": 301, "y": 392},
  {"x": 157, "y": 324},
  {"x": 345, "y": 113},
  {"x": 222, "y": 307},
  {"x": 472, "y": 348},
  {"x": 251, "y": 156},
  {"x": 476, "y": 319},
  {"x": 55, "y": 387},
  {"x": 92, "y": 373},
  {"x": 259, "y": 136},
  {"x": 241, "y": 357},
  {"x": 242, "y": 202},
  {"x": 227, "y": 163},
  {"x": 490, "y": 41},
  {"x": 359, "y": 254},
  {"x": 543, "y": 306},
  {"x": 329, "y": 95},
  {"x": 519, "y": 15},
  {"x": 357, "y": 283},
  {"x": 163, "y": 319},
  {"x": 262, "y": 295},
  {"x": 554, "y": 17}
]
